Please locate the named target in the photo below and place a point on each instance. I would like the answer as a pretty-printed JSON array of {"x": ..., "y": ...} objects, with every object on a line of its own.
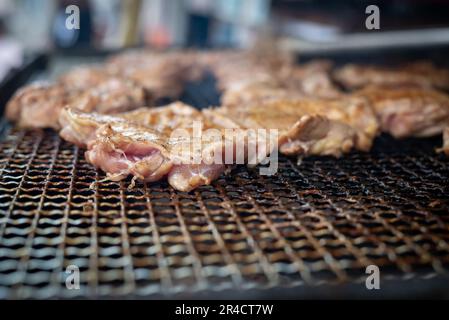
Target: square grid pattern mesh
[{"x": 319, "y": 223}]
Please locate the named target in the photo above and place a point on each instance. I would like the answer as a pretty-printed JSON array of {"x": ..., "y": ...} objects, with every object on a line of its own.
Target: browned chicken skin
[
  {"x": 79, "y": 127},
  {"x": 127, "y": 144},
  {"x": 420, "y": 73},
  {"x": 110, "y": 96},
  {"x": 312, "y": 79},
  {"x": 409, "y": 111},
  {"x": 246, "y": 82},
  {"x": 121, "y": 149},
  {"x": 162, "y": 74},
  {"x": 308, "y": 126},
  {"x": 39, "y": 105},
  {"x": 248, "y": 94},
  {"x": 84, "y": 77}
]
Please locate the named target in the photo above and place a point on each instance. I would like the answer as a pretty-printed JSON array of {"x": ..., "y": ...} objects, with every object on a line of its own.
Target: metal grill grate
[{"x": 318, "y": 223}]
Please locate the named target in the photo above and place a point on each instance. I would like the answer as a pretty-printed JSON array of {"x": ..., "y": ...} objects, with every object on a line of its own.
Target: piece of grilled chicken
[
  {"x": 111, "y": 96},
  {"x": 122, "y": 149},
  {"x": 162, "y": 74},
  {"x": 313, "y": 79},
  {"x": 85, "y": 77},
  {"x": 80, "y": 127},
  {"x": 128, "y": 144},
  {"x": 244, "y": 94},
  {"x": 421, "y": 73},
  {"x": 409, "y": 111},
  {"x": 245, "y": 82},
  {"x": 39, "y": 105},
  {"x": 307, "y": 126}
]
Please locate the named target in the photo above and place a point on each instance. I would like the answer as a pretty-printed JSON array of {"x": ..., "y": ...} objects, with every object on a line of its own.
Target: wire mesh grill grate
[{"x": 318, "y": 223}]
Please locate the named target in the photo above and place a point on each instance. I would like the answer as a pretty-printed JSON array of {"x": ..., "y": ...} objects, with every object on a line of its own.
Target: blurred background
[{"x": 307, "y": 25}]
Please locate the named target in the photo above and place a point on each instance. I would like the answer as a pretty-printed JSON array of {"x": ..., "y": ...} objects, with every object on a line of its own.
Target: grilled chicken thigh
[
  {"x": 121, "y": 149},
  {"x": 167, "y": 118},
  {"x": 79, "y": 127},
  {"x": 307, "y": 126},
  {"x": 162, "y": 74},
  {"x": 312, "y": 79},
  {"x": 420, "y": 73},
  {"x": 149, "y": 156},
  {"x": 249, "y": 83},
  {"x": 111, "y": 96},
  {"x": 39, "y": 105},
  {"x": 247, "y": 94},
  {"x": 84, "y": 77},
  {"x": 127, "y": 144},
  {"x": 409, "y": 111}
]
